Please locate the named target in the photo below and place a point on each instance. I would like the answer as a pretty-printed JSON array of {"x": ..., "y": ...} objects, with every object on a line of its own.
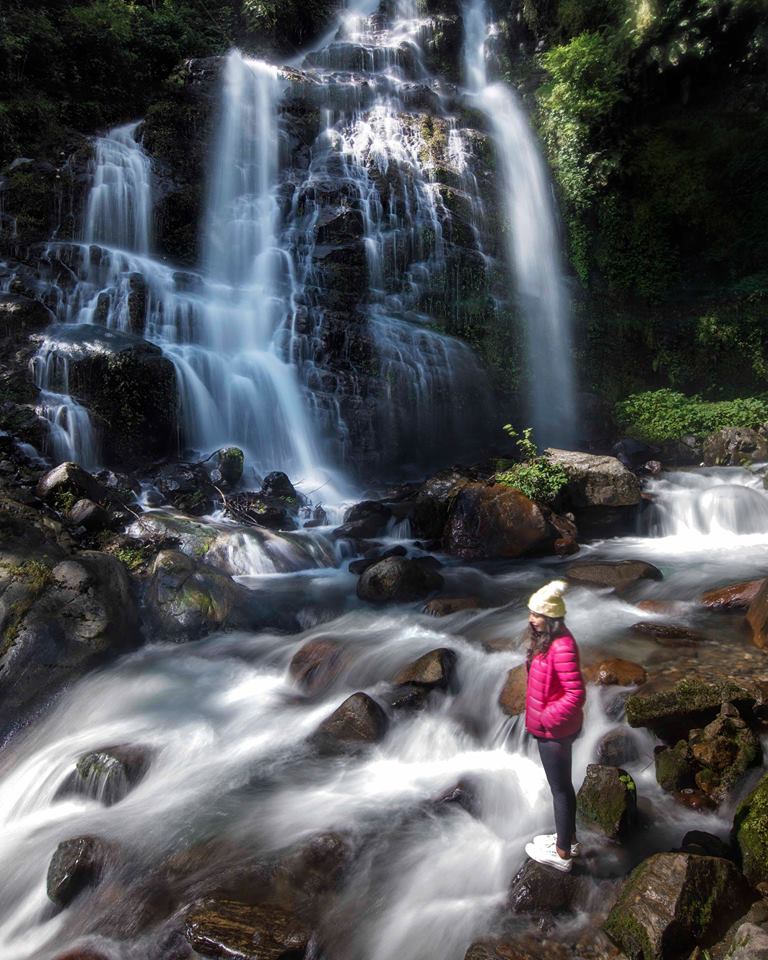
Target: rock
[
  {"x": 187, "y": 487},
  {"x": 230, "y": 465},
  {"x": 668, "y": 634},
  {"x": 187, "y": 599},
  {"x": 274, "y": 513},
  {"x": 358, "y": 721},
  {"x": 433, "y": 502},
  {"x": 750, "y": 833},
  {"x": 518, "y": 947},
  {"x": 277, "y": 484},
  {"x": 687, "y": 451},
  {"x": 735, "y": 446},
  {"x": 736, "y": 596},
  {"x": 540, "y": 890},
  {"x": 618, "y": 574},
  {"x": 364, "y": 520},
  {"x": 108, "y": 774},
  {"x": 76, "y": 864},
  {"x": 757, "y": 616},
  {"x": 615, "y": 672},
  {"x": 669, "y": 607},
  {"x": 724, "y": 750},
  {"x": 445, "y": 606},
  {"x": 397, "y": 580},
  {"x": 671, "y": 713},
  {"x": 89, "y": 515},
  {"x": 673, "y": 902},
  {"x": 607, "y": 801},
  {"x": 241, "y": 931},
  {"x": 308, "y": 872},
  {"x": 750, "y": 942},
  {"x": 316, "y": 665},
  {"x": 705, "y": 844},
  {"x": 631, "y": 453},
  {"x": 433, "y": 670},
  {"x": 81, "y": 953},
  {"x": 675, "y": 769},
  {"x": 596, "y": 481},
  {"x": 21, "y": 316},
  {"x": 512, "y": 695},
  {"x": 68, "y": 483},
  {"x": 616, "y": 748},
  {"x": 359, "y": 567},
  {"x": 495, "y": 521}
]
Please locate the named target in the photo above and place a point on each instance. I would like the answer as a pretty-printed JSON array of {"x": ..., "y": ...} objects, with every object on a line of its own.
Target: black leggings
[{"x": 556, "y": 760}]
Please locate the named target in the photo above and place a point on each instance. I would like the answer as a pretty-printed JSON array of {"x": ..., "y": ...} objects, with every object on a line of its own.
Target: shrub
[
  {"x": 536, "y": 476},
  {"x": 658, "y": 415}
]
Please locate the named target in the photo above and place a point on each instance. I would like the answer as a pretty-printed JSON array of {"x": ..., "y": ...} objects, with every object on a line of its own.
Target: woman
[{"x": 553, "y": 715}]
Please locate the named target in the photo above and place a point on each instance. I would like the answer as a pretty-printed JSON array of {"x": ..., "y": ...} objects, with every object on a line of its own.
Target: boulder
[
  {"x": 90, "y": 516},
  {"x": 596, "y": 481},
  {"x": 512, "y": 695},
  {"x": 445, "y": 606},
  {"x": 187, "y": 599},
  {"x": 632, "y": 453},
  {"x": 616, "y": 748},
  {"x": 244, "y": 931},
  {"x": 359, "y": 720},
  {"x": 495, "y": 521},
  {"x": 229, "y": 461},
  {"x": 316, "y": 665},
  {"x": 278, "y": 485},
  {"x": 364, "y": 520},
  {"x": 22, "y": 316},
  {"x": 723, "y": 751},
  {"x": 274, "y": 513},
  {"x": 433, "y": 503},
  {"x": 735, "y": 446},
  {"x": 673, "y": 902},
  {"x": 757, "y": 616},
  {"x": 76, "y": 864},
  {"x": 705, "y": 844},
  {"x": 750, "y": 942},
  {"x": 63, "y": 486},
  {"x": 668, "y": 634},
  {"x": 433, "y": 670},
  {"x": 675, "y": 769},
  {"x": 541, "y": 890},
  {"x": 607, "y": 801},
  {"x": 736, "y": 596},
  {"x": 187, "y": 487},
  {"x": 672, "y": 712},
  {"x": 750, "y": 833},
  {"x": 108, "y": 774},
  {"x": 397, "y": 580},
  {"x": 615, "y": 672},
  {"x": 617, "y": 574}
]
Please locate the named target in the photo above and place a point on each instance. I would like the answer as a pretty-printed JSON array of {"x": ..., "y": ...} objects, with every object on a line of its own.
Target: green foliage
[
  {"x": 659, "y": 415},
  {"x": 36, "y": 573},
  {"x": 64, "y": 501},
  {"x": 536, "y": 476},
  {"x": 132, "y": 557}
]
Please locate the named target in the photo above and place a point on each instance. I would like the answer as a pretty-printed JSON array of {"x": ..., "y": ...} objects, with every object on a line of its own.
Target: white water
[{"x": 533, "y": 243}]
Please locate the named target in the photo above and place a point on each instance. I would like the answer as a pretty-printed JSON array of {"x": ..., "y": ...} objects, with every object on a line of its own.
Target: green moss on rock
[{"x": 750, "y": 832}]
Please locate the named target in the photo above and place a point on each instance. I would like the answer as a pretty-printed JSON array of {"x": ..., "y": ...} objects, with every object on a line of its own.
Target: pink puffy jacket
[{"x": 555, "y": 693}]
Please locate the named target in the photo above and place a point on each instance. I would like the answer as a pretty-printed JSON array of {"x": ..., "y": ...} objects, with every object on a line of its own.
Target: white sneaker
[
  {"x": 548, "y": 840},
  {"x": 549, "y": 856}
]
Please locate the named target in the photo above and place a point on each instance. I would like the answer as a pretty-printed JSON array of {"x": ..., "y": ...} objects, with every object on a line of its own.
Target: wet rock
[
  {"x": 316, "y": 665},
  {"x": 518, "y": 948},
  {"x": 445, "y": 606},
  {"x": 433, "y": 670},
  {"x": 632, "y": 453},
  {"x": 76, "y": 864},
  {"x": 512, "y": 695},
  {"x": 669, "y": 607},
  {"x": 89, "y": 515},
  {"x": 674, "y": 901},
  {"x": 723, "y": 751},
  {"x": 274, "y": 513},
  {"x": 750, "y": 942},
  {"x": 736, "y": 446},
  {"x": 675, "y": 769},
  {"x": 596, "y": 481},
  {"x": 68, "y": 483},
  {"x": 22, "y": 316},
  {"x": 694, "y": 799},
  {"x": 615, "y": 672},
  {"x": 618, "y": 574},
  {"x": 109, "y": 773},
  {"x": 364, "y": 520},
  {"x": 397, "y": 580},
  {"x": 187, "y": 599},
  {"x": 464, "y": 794},
  {"x": 672, "y": 712},
  {"x": 277, "y": 484},
  {"x": 705, "y": 844},
  {"x": 137, "y": 303},
  {"x": 313, "y": 869},
  {"x": 750, "y": 833},
  {"x": 241, "y": 931},
  {"x": 616, "y": 748},
  {"x": 407, "y": 696},
  {"x": 495, "y": 521},
  {"x": 434, "y": 500},
  {"x": 757, "y": 616},
  {"x": 358, "y": 721},
  {"x": 687, "y": 451},
  {"x": 539, "y": 889},
  {"x": 668, "y": 634},
  {"x": 358, "y": 567},
  {"x": 187, "y": 487},
  {"x": 230, "y": 462},
  {"x": 736, "y": 596},
  {"x": 607, "y": 801}
]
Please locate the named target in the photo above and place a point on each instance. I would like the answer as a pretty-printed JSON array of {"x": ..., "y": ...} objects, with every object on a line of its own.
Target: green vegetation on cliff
[{"x": 659, "y": 415}]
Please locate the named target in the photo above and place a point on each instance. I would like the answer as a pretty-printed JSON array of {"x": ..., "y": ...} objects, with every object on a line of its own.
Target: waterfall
[{"x": 532, "y": 243}]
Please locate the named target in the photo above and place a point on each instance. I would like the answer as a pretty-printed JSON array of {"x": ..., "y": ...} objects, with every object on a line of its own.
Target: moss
[
  {"x": 687, "y": 697},
  {"x": 132, "y": 557},
  {"x": 35, "y": 574},
  {"x": 64, "y": 500},
  {"x": 750, "y": 830}
]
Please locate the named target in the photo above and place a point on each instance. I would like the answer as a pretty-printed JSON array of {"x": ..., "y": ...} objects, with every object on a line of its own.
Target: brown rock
[
  {"x": 512, "y": 696},
  {"x": 523, "y": 947},
  {"x": 359, "y": 720},
  {"x": 616, "y": 748},
  {"x": 445, "y": 606},
  {"x": 316, "y": 665},
  {"x": 615, "y": 672},
  {"x": 668, "y": 634},
  {"x": 736, "y": 596},
  {"x": 757, "y": 616},
  {"x": 397, "y": 580},
  {"x": 241, "y": 931},
  {"x": 76, "y": 864},
  {"x": 618, "y": 574},
  {"x": 433, "y": 669},
  {"x": 495, "y": 521},
  {"x": 674, "y": 607}
]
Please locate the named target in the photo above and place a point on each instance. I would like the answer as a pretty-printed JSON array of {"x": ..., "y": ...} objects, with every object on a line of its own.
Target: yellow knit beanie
[{"x": 548, "y": 601}]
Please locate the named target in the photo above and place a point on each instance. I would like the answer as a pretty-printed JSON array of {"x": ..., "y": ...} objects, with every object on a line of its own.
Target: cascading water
[{"x": 532, "y": 243}]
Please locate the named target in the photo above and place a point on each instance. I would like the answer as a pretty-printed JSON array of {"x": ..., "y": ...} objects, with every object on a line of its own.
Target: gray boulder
[{"x": 596, "y": 481}]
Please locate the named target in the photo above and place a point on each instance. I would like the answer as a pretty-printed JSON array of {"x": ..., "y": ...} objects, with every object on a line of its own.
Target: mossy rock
[
  {"x": 607, "y": 801},
  {"x": 674, "y": 767},
  {"x": 750, "y": 833},
  {"x": 675, "y": 901}
]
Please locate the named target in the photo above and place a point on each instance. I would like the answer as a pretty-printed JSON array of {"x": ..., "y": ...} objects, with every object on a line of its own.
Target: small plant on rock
[{"x": 535, "y": 476}]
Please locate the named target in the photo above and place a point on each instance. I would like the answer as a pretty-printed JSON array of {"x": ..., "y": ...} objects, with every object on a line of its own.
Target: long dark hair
[{"x": 541, "y": 642}]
